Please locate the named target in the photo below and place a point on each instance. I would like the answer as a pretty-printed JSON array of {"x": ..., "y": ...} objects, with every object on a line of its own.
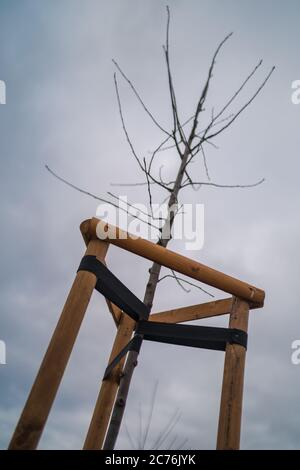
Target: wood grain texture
[
  {"x": 95, "y": 228},
  {"x": 230, "y": 417},
  {"x": 44, "y": 389},
  {"x": 194, "y": 312},
  {"x": 109, "y": 387}
]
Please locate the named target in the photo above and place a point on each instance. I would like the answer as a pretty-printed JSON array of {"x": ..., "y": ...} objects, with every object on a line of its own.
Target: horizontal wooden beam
[
  {"x": 95, "y": 228},
  {"x": 193, "y": 312}
]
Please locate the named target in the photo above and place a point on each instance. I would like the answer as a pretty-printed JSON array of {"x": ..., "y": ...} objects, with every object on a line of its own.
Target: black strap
[
  {"x": 205, "y": 337},
  {"x": 133, "y": 345},
  {"x": 113, "y": 289}
]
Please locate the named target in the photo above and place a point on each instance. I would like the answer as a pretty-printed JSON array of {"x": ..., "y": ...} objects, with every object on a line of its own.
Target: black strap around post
[
  {"x": 205, "y": 337},
  {"x": 113, "y": 289},
  {"x": 133, "y": 345}
]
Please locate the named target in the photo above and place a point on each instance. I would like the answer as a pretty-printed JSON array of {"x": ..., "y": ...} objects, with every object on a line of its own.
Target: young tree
[{"x": 189, "y": 141}]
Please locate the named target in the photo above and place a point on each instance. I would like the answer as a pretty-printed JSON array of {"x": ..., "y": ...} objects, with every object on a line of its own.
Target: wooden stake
[
  {"x": 36, "y": 410},
  {"x": 233, "y": 380},
  {"x": 100, "y": 420}
]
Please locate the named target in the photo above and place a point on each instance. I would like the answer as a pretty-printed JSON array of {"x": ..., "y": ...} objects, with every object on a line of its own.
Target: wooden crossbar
[
  {"x": 95, "y": 228},
  {"x": 194, "y": 312}
]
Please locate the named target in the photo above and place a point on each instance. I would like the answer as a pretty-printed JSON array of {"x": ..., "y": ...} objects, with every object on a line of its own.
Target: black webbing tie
[
  {"x": 113, "y": 289},
  {"x": 133, "y": 345},
  {"x": 205, "y": 337}
]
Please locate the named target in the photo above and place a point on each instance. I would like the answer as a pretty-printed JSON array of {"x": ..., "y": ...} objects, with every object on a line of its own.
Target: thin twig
[
  {"x": 179, "y": 279},
  {"x": 205, "y": 162},
  {"x": 130, "y": 438},
  {"x": 98, "y": 198},
  {"x": 215, "y": 185},
  {"x": 129, "y": 140},
  {"x": 123, "y": 124},
  {"x": 140, "y": 426},
  {"x": 254, "y": 70},
  {"x": 150, "y": 415},
  {"x": 133, "y": 207},
  {"x": 201, "y": 183},
  {"x": 177, "y": 125},
  {"x": 139, "y": 98},
  {"x": 167, "y": 429},
  {"x": 243, "y": 107}
]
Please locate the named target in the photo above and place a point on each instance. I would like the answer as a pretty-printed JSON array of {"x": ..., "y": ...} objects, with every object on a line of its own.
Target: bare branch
[
  {"x": 243, "y": 107},
  {"x": 200, "y": 183},
  {"x": 203, "y": 95},
  {"x": 175, "y": 145},
  {"x": 212, "y": 144},
  {"x": 123, "y": 124},
  {"x": 180, "y": 280},
  {"x": 150, "y": 415},
  {"x": 171, "y": 136},
  {"x": 132, "y": 207},
  {"x": 215, "y": 185},
  {"x": 176, "y": 121},
  {"x": 167, "y": 429},
  {"x": 172, "y": 442},
  {"x": 126, "y": 185},
  {"x": 199, "y": 107},
  {"x": 154, "y": 153},
  {"x": 215, "y": 123},
  {"x": 182, "y": 444},
  {"x": 154, "y": 180},
  {"x": 130, "y": 438},
  {"x": 140, "y": 426},
  {"x": 219, "y": 114},
  {"x": 148, "y": 187},
  {"x": 139, "y": 98},
  {"x": 98, "y": 198},
  {"x": 205, "y": 162}
]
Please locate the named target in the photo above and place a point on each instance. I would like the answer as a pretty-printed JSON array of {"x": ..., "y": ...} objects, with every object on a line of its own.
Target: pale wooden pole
[
  {"x": 36, "y": 410},
  {"x": 230, "y": 417},
  {"x": 96, "y": 228},
  {"x": 109, "y": 387}
]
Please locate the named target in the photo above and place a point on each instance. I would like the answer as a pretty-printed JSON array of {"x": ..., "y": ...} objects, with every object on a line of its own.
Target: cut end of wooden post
[{"x": 88, "y": 230}]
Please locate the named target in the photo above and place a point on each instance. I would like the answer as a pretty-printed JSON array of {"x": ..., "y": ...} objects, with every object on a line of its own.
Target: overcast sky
[{"x": 61, "y": 110}]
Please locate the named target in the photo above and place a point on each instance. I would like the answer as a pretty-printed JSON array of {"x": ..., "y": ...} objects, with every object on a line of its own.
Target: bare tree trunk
[{"x": 132, "y": 358}]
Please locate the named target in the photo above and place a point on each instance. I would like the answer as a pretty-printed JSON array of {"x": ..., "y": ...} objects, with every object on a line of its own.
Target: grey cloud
[{"x": 61, "y": 110}]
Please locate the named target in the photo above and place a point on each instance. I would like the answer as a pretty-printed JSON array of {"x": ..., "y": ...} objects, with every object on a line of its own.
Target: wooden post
[
  {"x": 233, "y": 381},
  {"x": 36, "y": 410},
  {"x": 100, "y": 420}
]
